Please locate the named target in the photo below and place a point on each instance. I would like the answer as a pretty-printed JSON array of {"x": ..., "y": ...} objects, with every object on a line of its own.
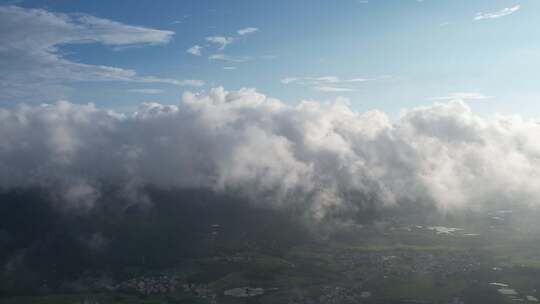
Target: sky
[{"x": 387, "y": 55}]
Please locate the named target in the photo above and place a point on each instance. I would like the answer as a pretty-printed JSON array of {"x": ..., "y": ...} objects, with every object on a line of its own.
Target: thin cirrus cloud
[
  {"x": 247, "y": 30},
  {"x": 327, "y": 83},
  {"x": 332, "y": 89},
  {"x": 35, "y": 68},
  {"x": 146, "y": 91},
  {"x": 227, "y": 58},
  {"x": 498, "y": 14},
  {"x": 181, "y": 20},
  {"x": 464, "y": 96}
]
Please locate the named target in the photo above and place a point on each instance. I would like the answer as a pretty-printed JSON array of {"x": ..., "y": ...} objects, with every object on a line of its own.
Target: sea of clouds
[{"x": 320, "y": 157}]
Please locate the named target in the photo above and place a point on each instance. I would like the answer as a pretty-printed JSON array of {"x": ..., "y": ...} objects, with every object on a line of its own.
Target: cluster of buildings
[
  {"x": 403, "y": 263},
  {"x": 244, "y": 292},
  {"x": 150, "y": 285},
  {"x": 202, "y": 291},
  {"x": 512, "y": 294},
  {"x": 233, "y": 259},
  {"x": 334, "y": 295},
  {"x": 342, "y": 295}
]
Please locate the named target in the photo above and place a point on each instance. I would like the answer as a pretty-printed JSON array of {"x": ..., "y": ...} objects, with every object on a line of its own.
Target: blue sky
[{"x": 381, "y": 54}]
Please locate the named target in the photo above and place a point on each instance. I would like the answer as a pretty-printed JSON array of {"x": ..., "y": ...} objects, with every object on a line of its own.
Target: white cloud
[
  {"x": 327, "y": 83},
  {"x": 332, "y": 89},
  {"x": 463, "y": 96},
  {"x": 229, "y": 68},
  {"x": 33, "y": 65},
  {"x": 247, "y": 30},
  {"x": 195, "y": 50},
  {"x": 223, "y": 57},
  {"x": 189, "y": 82},
  {"x": 321, "y": 157},
  {"x": 288, "y": 80},
  {"x": 147, "y": 91},
  {"x": 221, "y": 41},
  {"x": 494, "y": 15},
  {"x": 93, "y": 29}
]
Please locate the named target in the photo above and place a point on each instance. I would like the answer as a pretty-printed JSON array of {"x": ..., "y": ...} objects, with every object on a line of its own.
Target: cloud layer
[{"x": 320, "y": 158}]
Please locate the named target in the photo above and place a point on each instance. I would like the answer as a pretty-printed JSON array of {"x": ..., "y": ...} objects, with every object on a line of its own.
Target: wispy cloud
[
  {"x": 332, "y": 89},
  {"x": 181, "y": 83},
  {"x": 229, "y": 68},
  {"x": 462, "y": 96},
  {"x": 247, "y": 30},
  {"x": 327, "y": 83},
  {"x": 181, "y": 20},
  {"x": 221, "y": 41},
  {"x": 498, "y": 14},
  {"x": 195, "y": 50},
  {"x": 147, "y": 91},
  {"x": 171, "y": 81},
  {"x": 228, "y": 58},
  {"x": 35, "y": 66}
]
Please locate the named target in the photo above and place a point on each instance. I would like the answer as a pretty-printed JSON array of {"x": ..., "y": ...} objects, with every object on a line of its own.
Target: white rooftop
[{"x": 507, "y": 291}]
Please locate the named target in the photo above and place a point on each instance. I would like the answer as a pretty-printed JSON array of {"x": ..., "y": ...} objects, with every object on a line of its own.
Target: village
[{"x": 367, "y": 269}]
